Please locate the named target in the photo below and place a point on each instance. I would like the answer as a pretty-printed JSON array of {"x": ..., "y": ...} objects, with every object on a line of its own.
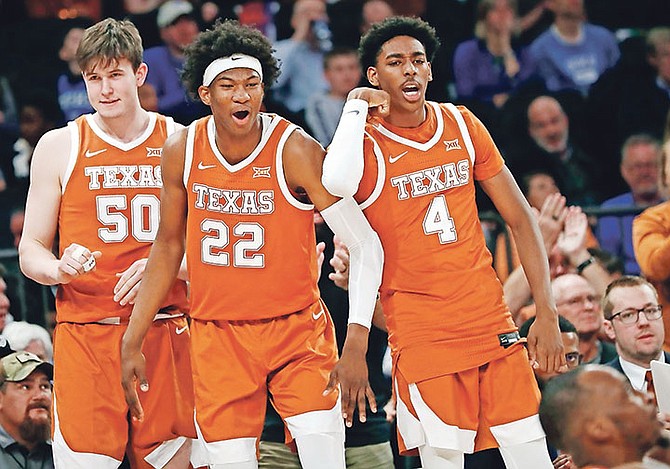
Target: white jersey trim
[
  {"x": 171, "y": 126},
  {"x": 281, "y": 177},
  {"x": 413, "y": 144},
  {"x": 188, "y": 152},
  {"x": 381, "y": 174},
  {"x": 123, "y": 146},
  {"x": 268, "y": 123},
  {"x": 72, "y": 157},
  {"x": 464, "y": 131}
]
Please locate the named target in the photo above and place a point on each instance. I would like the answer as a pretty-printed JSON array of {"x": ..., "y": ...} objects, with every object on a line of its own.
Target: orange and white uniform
[
  {"x": 110, "y": 203},
  {"x": 257, "y": 316},
  {"x": 443, "y": 303}
]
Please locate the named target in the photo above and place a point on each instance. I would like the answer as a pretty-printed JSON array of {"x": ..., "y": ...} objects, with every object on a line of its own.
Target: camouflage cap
[{"x": 17, "y": 366}]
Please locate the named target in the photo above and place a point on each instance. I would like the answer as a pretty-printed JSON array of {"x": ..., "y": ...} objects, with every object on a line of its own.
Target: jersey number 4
[
  {"x": 437, "y": 220},
  {"x": 251, "y": 238}
]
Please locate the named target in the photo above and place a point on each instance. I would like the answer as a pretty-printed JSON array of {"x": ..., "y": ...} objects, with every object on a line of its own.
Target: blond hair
[{"x": 107, "y": 42}]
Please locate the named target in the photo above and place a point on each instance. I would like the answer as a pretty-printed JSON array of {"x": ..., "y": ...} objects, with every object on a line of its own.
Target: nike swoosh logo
[
  {"x": 393, "y": 159},
  {"x": 208, "y": 166},
  {"x": 354, "y": 111},
  {"x": 317, "y": 316},
  {"x": 181, "y": 330},
  {"x": 90, "y": 153}
]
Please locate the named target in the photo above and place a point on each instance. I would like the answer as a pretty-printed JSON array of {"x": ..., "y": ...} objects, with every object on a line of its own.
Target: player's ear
[
  {"x": 372, "y": 76},
  {"x": 430, "y": 72},
  {"x": 141, "y": 74},
  {"x": 203, "y": 92}
]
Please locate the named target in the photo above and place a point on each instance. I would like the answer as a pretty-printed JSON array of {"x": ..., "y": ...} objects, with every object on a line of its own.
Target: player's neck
[
  {"x": 403, "y": 117},
  {"x": 235, "y": 147},
  {"x": 125, "y": 128}
]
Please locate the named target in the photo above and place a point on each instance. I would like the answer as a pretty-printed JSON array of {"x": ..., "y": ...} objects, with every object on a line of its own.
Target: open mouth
[
  {"x": 411, "y": 90},
  {"x": 241, "y": 115}
]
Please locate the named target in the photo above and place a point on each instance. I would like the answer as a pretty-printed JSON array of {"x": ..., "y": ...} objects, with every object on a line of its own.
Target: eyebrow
[{"x": 398, "y": 55}]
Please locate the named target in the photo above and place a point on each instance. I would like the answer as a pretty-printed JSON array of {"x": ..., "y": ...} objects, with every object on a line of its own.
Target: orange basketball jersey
[
  {"x": 438, "y": 286},
  {"x": 110, "y": 203},
  {"x": 250, "y": 243}
]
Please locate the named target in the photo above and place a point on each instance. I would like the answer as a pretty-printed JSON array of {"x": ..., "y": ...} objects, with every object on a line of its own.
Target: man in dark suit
[{"x": 633, "y": 319}]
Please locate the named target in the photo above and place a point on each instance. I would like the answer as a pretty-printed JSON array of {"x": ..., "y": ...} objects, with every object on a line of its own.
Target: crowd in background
[{"x": 576, "y": 94}]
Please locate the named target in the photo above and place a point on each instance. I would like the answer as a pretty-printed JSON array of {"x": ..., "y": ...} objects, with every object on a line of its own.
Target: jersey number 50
[{"x": 144, "y": 213}]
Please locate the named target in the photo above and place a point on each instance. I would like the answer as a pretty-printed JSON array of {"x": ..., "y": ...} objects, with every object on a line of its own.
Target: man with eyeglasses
[
  {"x": 578, "y": 302},
  {"x": 634, "y": 320}
]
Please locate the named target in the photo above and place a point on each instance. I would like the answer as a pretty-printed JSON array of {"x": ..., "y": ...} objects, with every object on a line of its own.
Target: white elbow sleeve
[
  {"x": 366, "y": 257},
  {"x": 343, "y": 165}
]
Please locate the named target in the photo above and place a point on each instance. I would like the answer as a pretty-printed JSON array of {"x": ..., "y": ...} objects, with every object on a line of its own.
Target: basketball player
[
  {"x": 96, "y": 185},
  {"x": 240, "y": 187},
  {"x": 439, "y": 294}
]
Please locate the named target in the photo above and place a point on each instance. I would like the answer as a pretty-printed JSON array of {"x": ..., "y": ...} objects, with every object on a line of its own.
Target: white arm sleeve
[
  {"x": 343, "y": 165},
  {"x": 366, "y": 257}
]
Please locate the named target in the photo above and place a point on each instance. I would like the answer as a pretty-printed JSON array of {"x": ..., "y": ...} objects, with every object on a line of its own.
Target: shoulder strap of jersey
[
  {"x": 188, "y": 155},
  {"x": 464, "y": 130}
]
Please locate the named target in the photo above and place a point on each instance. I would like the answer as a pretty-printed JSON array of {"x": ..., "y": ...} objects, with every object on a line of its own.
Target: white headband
[{"x": 233, "y": 61}]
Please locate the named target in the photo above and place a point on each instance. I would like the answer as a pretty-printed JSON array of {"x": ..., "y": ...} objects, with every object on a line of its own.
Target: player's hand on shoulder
[
  {"x": 378, "y": 100},
  {"x": 76, "y": 261},
  {"x": 125, "y": 290}
]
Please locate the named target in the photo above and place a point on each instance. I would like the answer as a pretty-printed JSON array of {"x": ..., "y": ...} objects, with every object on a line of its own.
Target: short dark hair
[
  {"x": 622, "y": 282},
  {"x": 563, "y": 325},
  {"x": 224, "y": 39},
  {"x": 372, "y": 42},
  {"x": 559, "y": 397},
  {"x": 337, "y": 52}
]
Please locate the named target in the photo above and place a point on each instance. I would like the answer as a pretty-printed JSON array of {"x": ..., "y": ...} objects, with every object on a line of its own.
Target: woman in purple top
[{"x": 490, "y": 67}]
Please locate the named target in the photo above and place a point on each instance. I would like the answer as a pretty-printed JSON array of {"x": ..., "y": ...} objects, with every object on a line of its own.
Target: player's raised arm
[
  {"x": 161, "y": 270},
  {"x": 303, "y": 167}
]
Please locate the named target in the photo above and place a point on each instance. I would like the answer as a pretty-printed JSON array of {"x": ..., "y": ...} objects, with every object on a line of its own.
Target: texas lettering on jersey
[
  {"x": 432, "y": 180},
  {"x": 234, "y": 201},
  {"x": 118, "y": 176}
]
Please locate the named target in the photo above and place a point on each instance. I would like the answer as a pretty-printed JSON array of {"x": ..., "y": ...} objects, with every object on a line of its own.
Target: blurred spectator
[
  {"x": 490, "y": 67},
  {"x": 572, "y": 54},
  {"x": 579, "y": 303},
  {"x": 565, "y": 234},
  {"x": 38, "y": 114},
  {"x": 570, "y": 344},
  {"x": 5, "y": 316},
  {"x": 26, "y": 337},
  {"x": 25, "y": 412},
  {"x": 178, "y": 29},
  {"x": 551, "y": 149},
  {"x": 8, "y": 112},
  {"x": 633, "y": 319},
  {"x": 651, "y": 243},
  {"x": 373, "y": 11},
  {"x": 72, "y": 96},
  {"x": 593, "y": 414},
  {"x": 640, "y": 162},
  {"x": 537, "y": 186},
  {"x": 647, "y": 101},
  {"x": 16, "y": 225},
  {"x": 301, "y": 58},
  {"x": 343, "y": 73}
]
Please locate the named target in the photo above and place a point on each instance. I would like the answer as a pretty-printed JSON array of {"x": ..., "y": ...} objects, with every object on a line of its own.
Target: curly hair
[
  {"x": 371, "y": 44},
  {"x": 225, "y": 39}
]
